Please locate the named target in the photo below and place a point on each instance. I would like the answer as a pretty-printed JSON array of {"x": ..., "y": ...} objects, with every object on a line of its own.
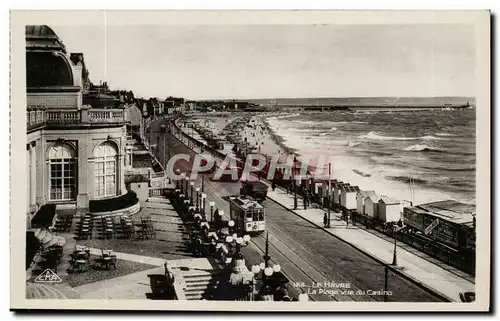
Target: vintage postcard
[{"x": 295, "y": 161}]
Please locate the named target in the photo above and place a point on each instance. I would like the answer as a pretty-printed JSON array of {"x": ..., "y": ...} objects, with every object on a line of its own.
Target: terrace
[{"x": 39, "y": 117}]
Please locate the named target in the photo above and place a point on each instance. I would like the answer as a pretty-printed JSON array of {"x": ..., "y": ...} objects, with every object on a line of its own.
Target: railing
[
  {"x": 158, "y": 175},
  {"x": 39, "y": 116},
  {"x": 105, "y": 116},
  {"x": 155, "y": 191}
]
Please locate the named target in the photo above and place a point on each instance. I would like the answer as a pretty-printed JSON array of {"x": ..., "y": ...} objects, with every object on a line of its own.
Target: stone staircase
[{"x": 201, "y": 284}]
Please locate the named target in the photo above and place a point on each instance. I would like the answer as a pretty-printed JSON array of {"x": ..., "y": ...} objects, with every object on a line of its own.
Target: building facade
[{"x": 75, "y": 152}]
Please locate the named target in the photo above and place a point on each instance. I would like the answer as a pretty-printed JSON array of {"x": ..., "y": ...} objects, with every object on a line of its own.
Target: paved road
[{"x": 310, "y": 255}]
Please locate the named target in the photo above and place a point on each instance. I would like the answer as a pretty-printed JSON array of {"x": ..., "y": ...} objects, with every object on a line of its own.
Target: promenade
[{"x": 415, "y": 267}]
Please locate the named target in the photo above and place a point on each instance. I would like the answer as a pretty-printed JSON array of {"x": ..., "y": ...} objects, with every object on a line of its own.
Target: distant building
[{"x": 75, "y": 151}]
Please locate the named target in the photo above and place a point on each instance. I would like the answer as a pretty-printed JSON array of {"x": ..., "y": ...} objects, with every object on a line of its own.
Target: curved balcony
[{"x": 127, "y": 204}]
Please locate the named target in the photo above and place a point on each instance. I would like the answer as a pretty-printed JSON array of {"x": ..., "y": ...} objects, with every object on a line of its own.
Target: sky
[{"x": 278, "y": 61}]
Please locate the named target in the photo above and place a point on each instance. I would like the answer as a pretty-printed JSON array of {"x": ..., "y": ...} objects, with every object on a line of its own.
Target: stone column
[
  {"x": 28, "y": 181},
  {"x": 83, "y": 173},
  {"x": 32, "y": 177},
  {"x": 41, "y": 171},
  {"x": 120, "y": 182}
]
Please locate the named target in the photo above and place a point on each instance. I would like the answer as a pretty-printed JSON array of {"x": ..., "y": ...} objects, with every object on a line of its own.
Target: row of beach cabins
[{"x": 350, "y": 198}]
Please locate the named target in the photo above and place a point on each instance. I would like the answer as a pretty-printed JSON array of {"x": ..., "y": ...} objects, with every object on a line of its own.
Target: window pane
[
  {"x": 110, "y": 178},
  {"x": 110, "y": 188},
  {"x": 110, "y": 167}
]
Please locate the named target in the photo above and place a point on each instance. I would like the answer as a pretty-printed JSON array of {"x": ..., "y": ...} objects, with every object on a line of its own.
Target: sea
[{"x": 418, "y": 155}]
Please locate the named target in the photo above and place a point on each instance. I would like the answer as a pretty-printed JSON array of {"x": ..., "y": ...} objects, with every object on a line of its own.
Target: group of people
[{"x": 344, "y": 216}]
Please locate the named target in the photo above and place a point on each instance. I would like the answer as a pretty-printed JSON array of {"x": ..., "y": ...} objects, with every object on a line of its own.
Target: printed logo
[{"x": 48, "y": 276}]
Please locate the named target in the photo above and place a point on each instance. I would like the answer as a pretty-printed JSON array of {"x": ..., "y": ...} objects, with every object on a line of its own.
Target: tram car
[{"x": 248, "y": 215}]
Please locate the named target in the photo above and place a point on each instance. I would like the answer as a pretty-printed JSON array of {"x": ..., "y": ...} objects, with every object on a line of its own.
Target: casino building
[{"x": 76, "y": 134}]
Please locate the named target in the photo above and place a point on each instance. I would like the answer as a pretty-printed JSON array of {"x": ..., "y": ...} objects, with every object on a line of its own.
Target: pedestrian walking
[
  {"x": 325, "y": 220},
  {"x": 273, "y": 185}
]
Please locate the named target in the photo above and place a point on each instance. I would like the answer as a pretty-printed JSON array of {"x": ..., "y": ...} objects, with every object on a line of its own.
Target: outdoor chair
[
  {"x": 80, "y": 263},
  {"x": 107, "y": 260}
]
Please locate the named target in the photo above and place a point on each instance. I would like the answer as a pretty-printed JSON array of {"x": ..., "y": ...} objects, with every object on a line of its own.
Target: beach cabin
[
  {"x": 360, "y": 200},
  {"x": 371, "y": 205},
  {"x": 336, "y": 190},
  {"x": 348, "y": 196},
  {"x": 389, "y": 209}
]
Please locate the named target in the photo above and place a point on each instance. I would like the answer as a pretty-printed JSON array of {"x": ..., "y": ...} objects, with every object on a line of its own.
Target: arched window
[
  {"x": 105, "y": 169},
  {"x": 63, "y": 172}
]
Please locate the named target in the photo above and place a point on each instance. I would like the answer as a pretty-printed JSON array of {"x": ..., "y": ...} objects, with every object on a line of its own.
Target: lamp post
[
  {"x": 241, "y": 241},
  {"x": 394, "y": 254},
  {"x": 187, "y": 183},
  {"x": 203, "y": 199},
  {"x": 211, "y": 203},
  {"x": 230, "y": 226},
  {"x": 220, "y": 214},
  {"x": 181, "y": 186},
  {"x": 246, "y": 149},
  {"x": 197, "y": 197},
  {"x": 202, "y": 182},
  {"x": 295, "y": 201},
  {"x": 192, "y": 186},
  {"x": 329, "y": 193},
  {"x": 255, "y": 270},
  {"x": 177, "y": 171}
]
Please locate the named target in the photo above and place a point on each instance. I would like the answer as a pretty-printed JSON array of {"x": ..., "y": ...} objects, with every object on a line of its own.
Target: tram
[{"x": 248, "y": 215}]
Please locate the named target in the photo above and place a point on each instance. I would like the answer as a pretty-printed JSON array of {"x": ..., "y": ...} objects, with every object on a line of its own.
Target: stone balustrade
[{"x": 40, "y": 117}]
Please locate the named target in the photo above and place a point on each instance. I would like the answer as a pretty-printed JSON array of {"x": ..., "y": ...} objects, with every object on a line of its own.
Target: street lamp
[
  {"x": 197, "y": 197},
  {"x": 297, "y": 181},
  {"x": 255, "y": 270},
  {"x": 192, "y": 186},
  {"x": 394, "y": 254},
  {"x": 211, "y": 203},
  {"x": 177, "y": 171},
  {"x": 187, "y": 180},
  {"x": 183, "y": 176},
  {"x": 241, "y": 241},
  {"x": 203, "y": 198}
]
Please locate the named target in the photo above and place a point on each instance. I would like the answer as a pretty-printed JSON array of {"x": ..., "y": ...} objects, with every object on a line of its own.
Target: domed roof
[
  {"x": 43, "y": 38},
  {"x": 40, "y": 32}
]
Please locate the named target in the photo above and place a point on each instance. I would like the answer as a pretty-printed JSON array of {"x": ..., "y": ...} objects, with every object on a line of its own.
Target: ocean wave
[
  {"x": 323, "y": 134},
  {"x": 333, "y": 129},
  {"x": 422, "y": 148},
  {"x": 444, "y": 134},
  {"x": 353, "y": 143},
  {"x": 375, "y": 136},
  {"x": 284, "y": 116},
  {"x": 430, "y": 137},
  {"x": 450, "y": 169}
]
